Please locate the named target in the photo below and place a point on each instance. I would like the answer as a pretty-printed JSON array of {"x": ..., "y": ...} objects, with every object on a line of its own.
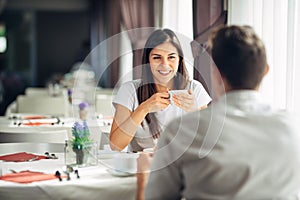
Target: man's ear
[
  {"x": 267, "y": 68},
  {"x": 218, "y": 88}
]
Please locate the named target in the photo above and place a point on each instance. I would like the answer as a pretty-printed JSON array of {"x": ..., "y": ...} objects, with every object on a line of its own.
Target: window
[{"x": 276, "y": 22}]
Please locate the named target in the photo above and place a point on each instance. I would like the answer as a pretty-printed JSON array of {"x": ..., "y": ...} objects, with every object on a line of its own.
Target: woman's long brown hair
[{"x": 147, "y": 87}]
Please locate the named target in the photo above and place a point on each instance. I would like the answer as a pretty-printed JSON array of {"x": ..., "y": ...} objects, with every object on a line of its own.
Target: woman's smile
[{"x": 165, "y": 72}]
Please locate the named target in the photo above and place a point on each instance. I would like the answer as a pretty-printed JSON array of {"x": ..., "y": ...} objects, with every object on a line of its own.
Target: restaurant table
[
  {"x": 99, "y": 128},
  {"x": 8, "y": 124},
  {"x": 95, "y": 182}
]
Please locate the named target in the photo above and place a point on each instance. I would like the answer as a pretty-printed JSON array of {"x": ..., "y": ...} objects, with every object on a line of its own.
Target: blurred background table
[
  {"x": 16, "y": 130},
  {"x": 94, "y": 183}
]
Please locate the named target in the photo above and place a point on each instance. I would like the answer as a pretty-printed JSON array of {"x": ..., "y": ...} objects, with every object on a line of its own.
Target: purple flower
[
  {"x": 77, "y": 127},
  {"x": 84, "y": 124},
  {"x": 83, "y": 105},
  {"x": 81, "y": 135}
]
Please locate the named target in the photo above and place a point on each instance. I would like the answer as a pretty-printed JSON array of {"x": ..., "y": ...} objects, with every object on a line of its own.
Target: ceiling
[{"x": 51, "y": 5}]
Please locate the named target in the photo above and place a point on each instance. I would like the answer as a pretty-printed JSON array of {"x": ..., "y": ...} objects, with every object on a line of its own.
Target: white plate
[
  {"x": 119, "y": 173},
  {"x": 105, "y": 154}
]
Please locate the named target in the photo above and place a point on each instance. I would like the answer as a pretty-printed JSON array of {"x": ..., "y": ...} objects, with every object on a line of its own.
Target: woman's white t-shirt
[{"x": 126, "y": 96}]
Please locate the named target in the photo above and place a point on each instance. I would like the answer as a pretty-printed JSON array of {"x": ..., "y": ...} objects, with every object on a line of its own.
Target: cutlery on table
[
  {"x": 50, "y": 156},
  {"x": 33, "y": 159},
  {"x": 58, "y": 175}
]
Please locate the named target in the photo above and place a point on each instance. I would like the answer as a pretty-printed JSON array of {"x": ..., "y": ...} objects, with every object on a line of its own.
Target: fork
[
  {"x": 33, "y": 159},
  {"x": 13, "y": 171}
]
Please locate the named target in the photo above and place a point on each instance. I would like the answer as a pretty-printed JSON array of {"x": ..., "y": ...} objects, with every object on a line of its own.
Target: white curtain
[
  {"x": 276, "y": 22},
  {"x": 178, "y": 16}
]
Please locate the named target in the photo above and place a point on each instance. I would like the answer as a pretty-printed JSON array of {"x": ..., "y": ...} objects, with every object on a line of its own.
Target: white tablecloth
[
  {"x": 99, "y": 129},
  {"x": 95, "y": 183},
  {"x": 11, "y": 125}
]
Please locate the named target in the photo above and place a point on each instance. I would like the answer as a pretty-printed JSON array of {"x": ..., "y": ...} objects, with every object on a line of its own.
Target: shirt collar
[{"x": 244, "y": 100}]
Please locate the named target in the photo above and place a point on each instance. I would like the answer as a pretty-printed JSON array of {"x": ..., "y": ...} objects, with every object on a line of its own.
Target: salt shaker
[{"x": 70, "y": 96}]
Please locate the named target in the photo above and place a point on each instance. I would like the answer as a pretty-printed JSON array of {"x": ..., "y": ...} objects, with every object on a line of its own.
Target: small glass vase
[{"x": 81, "y": 157}]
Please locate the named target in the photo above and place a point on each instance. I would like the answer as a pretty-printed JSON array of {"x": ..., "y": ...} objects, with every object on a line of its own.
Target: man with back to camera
[{"x": 239, "y": 147}]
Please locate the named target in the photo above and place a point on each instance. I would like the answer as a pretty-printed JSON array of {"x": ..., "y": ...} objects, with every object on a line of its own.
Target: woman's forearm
[{"x": 122, "y": 133}]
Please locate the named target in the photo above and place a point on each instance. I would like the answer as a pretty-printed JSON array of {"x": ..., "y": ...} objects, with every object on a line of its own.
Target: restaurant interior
[{"x": 62, "y": 61}]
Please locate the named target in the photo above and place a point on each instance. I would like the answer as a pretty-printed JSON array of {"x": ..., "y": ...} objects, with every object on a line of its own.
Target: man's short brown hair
[{"x": 239, "y": 55}]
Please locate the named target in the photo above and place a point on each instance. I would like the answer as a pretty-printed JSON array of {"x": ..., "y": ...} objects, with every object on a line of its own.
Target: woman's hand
[
  {"x": 185, "y": 101},
  {"x": 158, "y": 101},
  {"x": 144, "y": 162},
  {"x": 126, "y": 123}
]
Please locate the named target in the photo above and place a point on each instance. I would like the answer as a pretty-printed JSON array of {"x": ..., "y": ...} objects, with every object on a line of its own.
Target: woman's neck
[
  {"x": 162, "y": 88},
  {"x": 165, "y": 87}
]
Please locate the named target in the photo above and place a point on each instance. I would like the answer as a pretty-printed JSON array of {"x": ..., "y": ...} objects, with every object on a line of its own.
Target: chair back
[
  {"x": 35, "y": 91},
  {"x": 40, "y": 148},
  {"x": 34, "y": 141},
  {"x": 30, "y": 136},
  {"x": 47, "y": 105},
  {"x": 104, "y": 104}
]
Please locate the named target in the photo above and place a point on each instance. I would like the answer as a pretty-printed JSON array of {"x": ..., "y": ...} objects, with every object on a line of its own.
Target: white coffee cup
[
  {"x": 125, "y": 162},
  {"x": 176, "y": 92}
]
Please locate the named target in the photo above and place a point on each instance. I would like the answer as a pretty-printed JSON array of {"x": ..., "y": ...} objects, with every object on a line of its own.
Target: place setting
[
  {"x": 28, "y": 120},
  {"x": 123, "y": 164},
  {"x": 26, "y": 157},
  {"x": 23, "y": 173},
  {"x": 28, "y": 176}
]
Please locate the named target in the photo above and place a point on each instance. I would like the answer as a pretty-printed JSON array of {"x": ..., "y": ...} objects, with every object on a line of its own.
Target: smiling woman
[
  {"x": 164, "y": 60},
  {"x": 143, "y": 106}
]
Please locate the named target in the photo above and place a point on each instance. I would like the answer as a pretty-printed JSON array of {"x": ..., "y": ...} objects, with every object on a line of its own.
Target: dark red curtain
[
  {"x": 207, "y": 15},
  {"x": 113, "y": 49},
  {"x": 105, "y": 23},
  {"x": 137, "y": 14}
]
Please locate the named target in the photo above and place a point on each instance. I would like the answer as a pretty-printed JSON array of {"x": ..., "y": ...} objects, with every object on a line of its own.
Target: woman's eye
[
  {"x": 156, "y": 58},
  {"x": 172, "y": 57}
]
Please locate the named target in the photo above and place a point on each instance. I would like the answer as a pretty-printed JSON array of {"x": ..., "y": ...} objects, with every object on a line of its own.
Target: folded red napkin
[
  {"x": 36, "y": 123},
  {"x": 34, "y": 117},
  {"x": 27, "y": 177},
  {"x": 21, "y": 157},
  {"x": 39, "y": 122}
]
